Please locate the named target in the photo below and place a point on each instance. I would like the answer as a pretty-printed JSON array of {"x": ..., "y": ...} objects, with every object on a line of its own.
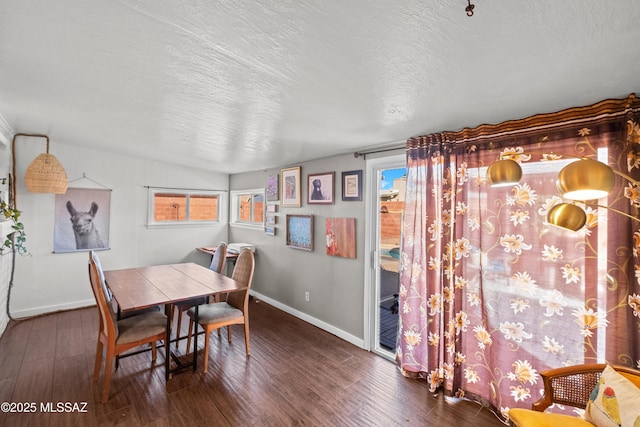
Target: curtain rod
[{"x": 382, "y": 150}]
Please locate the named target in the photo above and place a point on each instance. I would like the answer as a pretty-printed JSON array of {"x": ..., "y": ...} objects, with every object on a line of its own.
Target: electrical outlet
[{"x": 306, "y": 296}]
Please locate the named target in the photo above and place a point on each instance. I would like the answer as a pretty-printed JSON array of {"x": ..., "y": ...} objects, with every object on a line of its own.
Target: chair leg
[
  {"x": 229, "y": 333},
  {"x": 107, "y": 373},
  {"x": 96, "y": 368},
  {"x": 154, "y": 351},
  {"x": 205, "y": 363},
  {"x": 190, "y": 334},
  {"x": 246, "y": 336}
]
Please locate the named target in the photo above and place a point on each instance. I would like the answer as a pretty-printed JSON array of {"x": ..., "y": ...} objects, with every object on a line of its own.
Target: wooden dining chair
[
  {"x": 218, "y": 262},
  {"x": 233, "y": 311},
  {"x": 118, "y": 336}
]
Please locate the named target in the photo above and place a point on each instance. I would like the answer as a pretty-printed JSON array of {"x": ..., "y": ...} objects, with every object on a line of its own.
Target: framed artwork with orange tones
[{"x": 341, "y": 237}]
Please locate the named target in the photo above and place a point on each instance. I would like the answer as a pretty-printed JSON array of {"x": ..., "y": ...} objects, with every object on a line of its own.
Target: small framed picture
[
  {"x": 271, "y": 219},
  {"x": 352, "y": 186},
  {"x": 273, "y": 192},
  {"x": 270, "y": 231},
  {"x": 290, "y": 187},
  {"x": 300, "y": 232},
  {"x": 272, "y": 208},
  {"x": 320, "y": 188}
]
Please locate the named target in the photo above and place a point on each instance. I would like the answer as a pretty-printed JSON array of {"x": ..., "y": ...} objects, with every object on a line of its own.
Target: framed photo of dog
[
  {"x": 82, "y": 218},
  {"x": 320, "y": 188}
]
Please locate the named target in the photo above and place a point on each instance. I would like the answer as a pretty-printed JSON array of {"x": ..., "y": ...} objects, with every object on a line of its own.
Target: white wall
[
  {"x": 283, "y": 274},
  {"x": 5, "y": 260},
  {"x": 46, "y": 281}
]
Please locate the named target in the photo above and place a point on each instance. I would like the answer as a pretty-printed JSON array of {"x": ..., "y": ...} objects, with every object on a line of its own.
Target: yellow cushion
[
  {"x": 631, "y": 377},
  {"x": 615, "y": 401},
  {"x": 528, "y": 418}
]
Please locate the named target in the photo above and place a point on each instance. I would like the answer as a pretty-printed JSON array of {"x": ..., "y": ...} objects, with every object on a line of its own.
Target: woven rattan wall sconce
[{"x": 45, "y": 174}]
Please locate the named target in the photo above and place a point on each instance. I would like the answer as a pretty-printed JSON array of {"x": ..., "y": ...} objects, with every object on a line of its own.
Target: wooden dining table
[{"x": 144, "y": 287}]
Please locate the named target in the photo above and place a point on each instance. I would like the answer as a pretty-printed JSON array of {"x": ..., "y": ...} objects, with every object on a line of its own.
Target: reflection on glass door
[{"x": 390, "y": 209}]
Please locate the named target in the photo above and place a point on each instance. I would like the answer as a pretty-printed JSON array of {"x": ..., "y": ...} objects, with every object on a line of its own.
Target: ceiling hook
[{"x": 469, "y": 8}]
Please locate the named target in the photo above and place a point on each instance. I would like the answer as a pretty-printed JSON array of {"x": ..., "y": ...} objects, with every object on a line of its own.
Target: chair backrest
[
  {"x": 243, "y": 273},
  {"x": 102, "y": 294},
  {"x": 219, "y": 258}
]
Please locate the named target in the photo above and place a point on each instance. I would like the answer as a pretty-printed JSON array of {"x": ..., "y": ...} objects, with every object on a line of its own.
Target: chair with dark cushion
[
  {"x": 118, "y": 336},
  {"x": 217, "y": 264},
  {"x": 233, "y": 311}
]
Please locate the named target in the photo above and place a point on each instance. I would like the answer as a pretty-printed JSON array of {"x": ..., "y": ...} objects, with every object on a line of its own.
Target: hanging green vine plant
[{"x": 15, "y": 241}]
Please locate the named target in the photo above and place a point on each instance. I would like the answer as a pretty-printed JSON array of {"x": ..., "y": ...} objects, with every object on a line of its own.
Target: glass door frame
[{"x": 374, "y": 168}]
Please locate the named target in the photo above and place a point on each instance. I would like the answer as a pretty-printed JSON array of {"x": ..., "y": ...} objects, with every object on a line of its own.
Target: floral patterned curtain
[{"x": 490, "y": 294}]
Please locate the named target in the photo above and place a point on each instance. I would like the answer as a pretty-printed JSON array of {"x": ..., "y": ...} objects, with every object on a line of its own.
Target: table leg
[{"x": 167, "y": 355}]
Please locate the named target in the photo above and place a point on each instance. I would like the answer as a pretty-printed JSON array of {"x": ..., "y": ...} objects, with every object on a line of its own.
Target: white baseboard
[
  {"x": 309, "y": 319},
  {"x": 19, "y": 314}
]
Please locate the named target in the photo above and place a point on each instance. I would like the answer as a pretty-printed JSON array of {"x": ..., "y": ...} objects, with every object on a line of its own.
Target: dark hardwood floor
[{"x": 297, "y": 374}]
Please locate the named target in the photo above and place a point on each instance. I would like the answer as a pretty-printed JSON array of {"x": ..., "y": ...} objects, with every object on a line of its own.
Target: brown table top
[
  {"x": 212, "y": 250},
  {"x": 135, "y": 288}
]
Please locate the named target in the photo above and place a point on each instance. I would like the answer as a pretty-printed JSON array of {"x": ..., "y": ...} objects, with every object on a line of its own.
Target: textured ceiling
[{"x": 247, "y": 85}]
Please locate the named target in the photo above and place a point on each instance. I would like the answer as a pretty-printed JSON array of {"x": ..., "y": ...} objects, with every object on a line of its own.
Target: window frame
[
  {"x": 234, "y": 209},
  {"x": 221, "y": 214}
]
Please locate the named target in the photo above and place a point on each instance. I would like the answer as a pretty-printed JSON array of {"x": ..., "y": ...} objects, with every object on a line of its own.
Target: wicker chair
[{"x": 570, "y": 386}]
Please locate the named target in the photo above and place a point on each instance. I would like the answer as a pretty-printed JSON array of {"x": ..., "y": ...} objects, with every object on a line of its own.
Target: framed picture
[
  {"x": 271, "y": 219},
  {"x": 352, "y": 186},
  {"x": 270, "y": 231},
  {"x": 272, "y": 208},
  {"x": 82, "y": 218},
  {"x": 340, "y": 234},
  {"x": 273, "y": 192},
  {"x": 290, "y": 188},
  {"x": 300, "y": 232},
  {"x": 320, "y": 188}
]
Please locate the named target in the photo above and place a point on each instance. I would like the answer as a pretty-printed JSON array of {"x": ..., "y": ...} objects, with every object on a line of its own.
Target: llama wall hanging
[{"x": 82, "y": 220}]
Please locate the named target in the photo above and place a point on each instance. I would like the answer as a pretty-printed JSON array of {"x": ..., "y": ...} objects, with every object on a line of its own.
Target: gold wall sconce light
[
  {"x": 504, "y": 172},
  {"x": 584, "y": 179},
  {"x": 567, "y": 216}
]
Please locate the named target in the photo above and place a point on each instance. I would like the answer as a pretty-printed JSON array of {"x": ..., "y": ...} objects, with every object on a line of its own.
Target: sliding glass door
[{"x": 387, "y": 178}]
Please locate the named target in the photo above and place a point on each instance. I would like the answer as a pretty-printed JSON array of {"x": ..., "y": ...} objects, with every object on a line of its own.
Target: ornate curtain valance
[{"x": 602, "y": 110}]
